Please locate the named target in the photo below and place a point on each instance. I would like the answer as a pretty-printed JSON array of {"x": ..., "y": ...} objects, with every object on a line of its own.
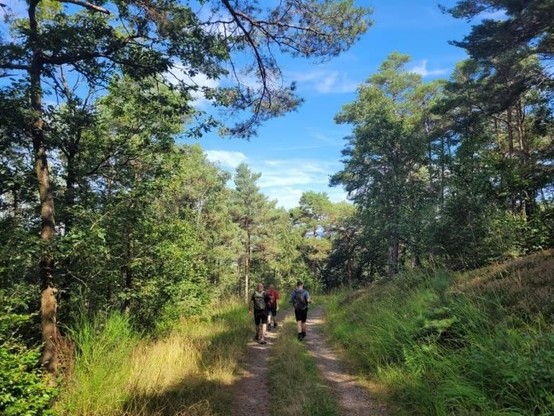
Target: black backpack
[
  {"x": 270, "y": 300},
  {"x": 259, "y": 301},
  {"x": 299, "y": 300}
]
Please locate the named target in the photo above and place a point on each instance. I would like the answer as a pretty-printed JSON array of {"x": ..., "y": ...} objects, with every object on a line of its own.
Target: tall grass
[
  {"x": 188, "y": 372},
  {"x": 103, "y": 350},
  {"x": 441, "y": 349},
  {"x": 295, "y": 385}
]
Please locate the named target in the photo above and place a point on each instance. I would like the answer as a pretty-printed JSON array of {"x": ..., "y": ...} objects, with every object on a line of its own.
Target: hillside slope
[{"x": 442, "y": 343}]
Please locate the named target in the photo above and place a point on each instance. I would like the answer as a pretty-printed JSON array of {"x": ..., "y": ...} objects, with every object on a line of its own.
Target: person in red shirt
[{"x": 272, "y": 305}]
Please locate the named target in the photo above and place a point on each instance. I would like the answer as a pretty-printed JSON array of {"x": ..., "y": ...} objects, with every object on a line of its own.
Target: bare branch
[
  {"x": 87, "y": 5},
  {"x": 259, "y": 59}
]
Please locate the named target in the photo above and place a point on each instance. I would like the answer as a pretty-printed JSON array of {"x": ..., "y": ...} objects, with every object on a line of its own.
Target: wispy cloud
[
  {"x": 421, "y": 69},
  {"x": 324, "y": 81},
  {"x": 284, "y": 180},
  {"x": 226, "y": 159}
]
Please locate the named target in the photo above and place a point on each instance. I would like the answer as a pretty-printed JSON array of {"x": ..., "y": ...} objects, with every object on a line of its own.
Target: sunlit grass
[
  {"x": 480, "y": 343},
  {"x": 296, "y": 388},
  {"x": 188, "y": 372}
]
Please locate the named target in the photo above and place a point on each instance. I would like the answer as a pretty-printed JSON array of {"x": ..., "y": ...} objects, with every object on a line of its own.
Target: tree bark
[{"x": 48, "y": 304}]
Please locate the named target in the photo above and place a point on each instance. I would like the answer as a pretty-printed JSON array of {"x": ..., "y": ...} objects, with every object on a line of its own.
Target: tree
[
  {"x": 526, "y": 26},
  {"x": 145, "y": 39},
  {"x": 501, "y": 163},
  {"x": 313, "y": 218},
  {"x": 250, "y": 209},
  {"x": 385, "y": 169}
]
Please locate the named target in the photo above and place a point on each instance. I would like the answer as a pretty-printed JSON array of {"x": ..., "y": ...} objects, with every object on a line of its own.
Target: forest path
[{"x": 252, "y": 394}]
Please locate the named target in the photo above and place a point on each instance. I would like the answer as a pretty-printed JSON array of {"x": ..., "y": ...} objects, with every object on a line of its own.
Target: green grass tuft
[
  {"x": 446, "y": 344},
  {"x": 296, "y": 387}
]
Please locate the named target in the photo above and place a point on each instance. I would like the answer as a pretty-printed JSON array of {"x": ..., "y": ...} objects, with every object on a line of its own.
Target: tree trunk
[
  {"x": 247, "y": 268},
  {"x": 48, "y": 308},
  {"x": 127, "y": 272},
  {"x": 49, "y": 304},
  {"x": 70, "y": 183},
  {"x": 394, "y": 248}
]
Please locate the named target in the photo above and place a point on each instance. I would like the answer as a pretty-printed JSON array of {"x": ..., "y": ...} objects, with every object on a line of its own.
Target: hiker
[
  {"x": 300, "y": 299},
  {"x": 272, "y": 306},
  {"x": 258, "y": 304}
]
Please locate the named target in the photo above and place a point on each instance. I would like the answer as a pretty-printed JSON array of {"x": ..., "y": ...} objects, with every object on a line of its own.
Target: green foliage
[
  {"x": 103, "y": 347},
  {"x": 24, "y": 390},
  {"x": 118, "y": 371}
]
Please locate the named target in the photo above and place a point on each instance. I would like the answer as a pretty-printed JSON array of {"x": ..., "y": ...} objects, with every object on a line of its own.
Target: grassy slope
[{"x": 456, "y": 344}]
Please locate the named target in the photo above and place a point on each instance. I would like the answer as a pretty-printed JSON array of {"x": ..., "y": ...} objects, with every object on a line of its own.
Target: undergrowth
[
  {"x": 186, "y": 372},
  {"x": 480, "y": 343}
]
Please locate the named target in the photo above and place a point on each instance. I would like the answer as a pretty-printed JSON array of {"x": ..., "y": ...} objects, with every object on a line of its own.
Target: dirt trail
[
  {"x": 251, "y": 392},
  {"x": 352, "y": 397}
]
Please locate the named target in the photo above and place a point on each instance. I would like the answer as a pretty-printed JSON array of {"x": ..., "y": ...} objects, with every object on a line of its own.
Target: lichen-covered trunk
[{"x": 48, "y": 301}]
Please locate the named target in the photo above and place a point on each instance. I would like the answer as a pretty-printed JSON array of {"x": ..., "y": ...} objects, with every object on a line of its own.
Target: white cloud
[
  {"x": 324, "y": 81},
  {"x": 287, "y": 180},
  {"x": 178, "y": 73},
  {"x": 284, "y": 180},
  {"x": 225, "y": 158},
  {"x": 422, "y": 70}
]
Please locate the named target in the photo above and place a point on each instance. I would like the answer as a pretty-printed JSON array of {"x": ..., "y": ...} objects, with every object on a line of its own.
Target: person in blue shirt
[{"x": 300, "y": 298}]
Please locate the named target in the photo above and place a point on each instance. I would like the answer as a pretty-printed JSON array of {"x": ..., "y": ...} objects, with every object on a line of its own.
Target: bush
[{"x": 23, "y": 389}]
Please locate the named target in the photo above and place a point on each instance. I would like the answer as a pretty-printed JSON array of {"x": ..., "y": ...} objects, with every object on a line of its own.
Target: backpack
[
  {"x": 299, "y": 300},
  {"x": 270, "y": 300},
  {"x": 259, "y": 301}
]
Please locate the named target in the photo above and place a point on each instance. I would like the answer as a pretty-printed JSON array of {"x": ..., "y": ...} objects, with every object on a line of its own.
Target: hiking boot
[
  {"x": 275, "y": 325},
  {"x": 300, "y": 337},
  {"x": 303, "y": 335}
]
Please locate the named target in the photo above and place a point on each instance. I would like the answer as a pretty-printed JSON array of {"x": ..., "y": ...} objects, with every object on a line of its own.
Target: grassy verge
[
  {"x": 295, "y": 385},
  {"x": 445, "y": 344},
  {"x": 189, "y": 372}
]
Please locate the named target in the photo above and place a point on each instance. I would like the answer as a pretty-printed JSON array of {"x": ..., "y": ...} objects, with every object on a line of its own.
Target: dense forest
[{"x": 103, "y": 210}]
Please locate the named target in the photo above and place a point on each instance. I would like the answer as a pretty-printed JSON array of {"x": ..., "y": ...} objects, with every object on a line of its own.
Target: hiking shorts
[
  {"x": 301, "y": 315},
  {"x": 260, "y": 317}
]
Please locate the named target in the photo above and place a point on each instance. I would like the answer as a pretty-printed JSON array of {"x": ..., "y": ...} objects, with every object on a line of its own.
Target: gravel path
[
  {"x": 353, "y": 398},
  {"x": 251, "y": 391}
]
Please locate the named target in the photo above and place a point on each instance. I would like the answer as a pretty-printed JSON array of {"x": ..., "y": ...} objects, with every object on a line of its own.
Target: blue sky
[{"x": 298, "y": 152}]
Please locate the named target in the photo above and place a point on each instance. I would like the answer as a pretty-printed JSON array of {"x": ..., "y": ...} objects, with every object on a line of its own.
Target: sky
[{"x": 301, "y": 150}]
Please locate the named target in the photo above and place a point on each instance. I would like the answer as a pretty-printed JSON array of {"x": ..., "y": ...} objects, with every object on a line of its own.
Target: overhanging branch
[{"x": 87, "y": 5}]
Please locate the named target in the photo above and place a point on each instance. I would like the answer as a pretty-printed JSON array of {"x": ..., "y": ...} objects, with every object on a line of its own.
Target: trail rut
[{"x": 251, "y": 392}]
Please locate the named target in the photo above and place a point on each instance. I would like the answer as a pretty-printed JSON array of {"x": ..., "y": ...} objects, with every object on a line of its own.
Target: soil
[{"x": 251, "y": 392}]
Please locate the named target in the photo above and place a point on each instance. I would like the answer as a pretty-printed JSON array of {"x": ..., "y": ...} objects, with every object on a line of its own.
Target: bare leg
[{"x": 263, "y": 334}]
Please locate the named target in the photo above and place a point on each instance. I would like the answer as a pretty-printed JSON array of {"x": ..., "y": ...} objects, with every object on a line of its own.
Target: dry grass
[
  {"x": 524, "y": 285},
  {"x": 190, "y": 372}
]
